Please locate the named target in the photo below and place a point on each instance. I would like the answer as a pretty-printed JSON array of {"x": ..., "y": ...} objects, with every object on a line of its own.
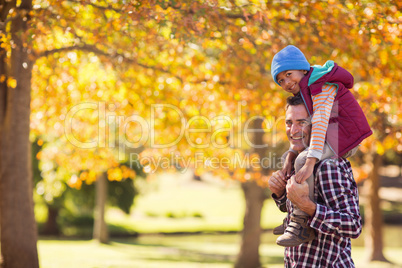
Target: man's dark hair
[{"x": 294, "y": 100}]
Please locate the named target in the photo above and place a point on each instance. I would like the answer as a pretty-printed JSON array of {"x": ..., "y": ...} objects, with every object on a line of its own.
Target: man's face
[
  {"x": 298, "y": 127},
  {"x": 289, "y": 80}
]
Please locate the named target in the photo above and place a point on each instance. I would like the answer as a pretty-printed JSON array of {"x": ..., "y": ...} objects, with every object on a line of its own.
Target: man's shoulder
[
  {"x": 335, "y": 174},
  {"x": 334, "y": 164}
]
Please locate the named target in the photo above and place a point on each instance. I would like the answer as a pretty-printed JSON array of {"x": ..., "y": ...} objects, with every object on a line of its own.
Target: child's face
[{"x": 289, "y": 80}]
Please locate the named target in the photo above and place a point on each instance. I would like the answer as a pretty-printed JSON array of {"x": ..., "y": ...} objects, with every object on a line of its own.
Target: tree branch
[
  {"x": 108, "y": 7},
  {"x": 5, "y": 8},
  {"x": 4, "y": 23},
  {"x": 97, "y": 51}
]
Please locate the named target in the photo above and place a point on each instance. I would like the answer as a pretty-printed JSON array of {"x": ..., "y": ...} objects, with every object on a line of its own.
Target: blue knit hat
[{"x": 289, "y": 58}]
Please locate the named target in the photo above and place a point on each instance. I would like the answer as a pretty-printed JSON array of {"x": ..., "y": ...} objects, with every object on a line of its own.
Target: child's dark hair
[{"x": 294, "y": 100}]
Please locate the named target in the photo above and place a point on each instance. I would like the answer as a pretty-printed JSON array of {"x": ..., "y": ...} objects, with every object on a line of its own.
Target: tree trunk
[
  {"x": 249, "y": 256},
  {"x": 3, "y": 99},
  {"x": 51, "y": 227},
  {"x": 100, "y": 228},
  {"x": 372, "y": 210},
  {"x": 18, "y": 226},
  {"x": 255, "y": 196}
]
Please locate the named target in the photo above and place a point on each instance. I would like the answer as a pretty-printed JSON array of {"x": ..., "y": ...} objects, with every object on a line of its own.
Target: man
[{"x": 333, "y": 214}]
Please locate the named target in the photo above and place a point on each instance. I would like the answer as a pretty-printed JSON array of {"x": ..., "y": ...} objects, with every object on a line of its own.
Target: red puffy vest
[{"x": 347, "y": 126}]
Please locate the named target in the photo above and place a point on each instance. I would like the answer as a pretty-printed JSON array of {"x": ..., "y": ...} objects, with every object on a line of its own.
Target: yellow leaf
[
  {"x": 380, "y": 148},
  {"x": 114, "y": 174},
  {"x": 11, "y": 82},
  {"x": 384, "y": 57}
]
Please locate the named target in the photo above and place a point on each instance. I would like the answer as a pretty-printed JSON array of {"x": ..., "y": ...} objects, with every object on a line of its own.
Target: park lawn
[
  {"x": 160, "y": 251},
  {"x": 180, "y": 204},
  {"x": 175, "y": 203}
]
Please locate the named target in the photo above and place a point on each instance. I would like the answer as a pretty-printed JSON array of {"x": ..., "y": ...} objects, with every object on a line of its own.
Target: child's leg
[
  {"x": 287, "y": 240},
  {"x": 327, "y": 152},
  {"x": 299, "y": 163},
  {"x": 298, "y": 231},
  {"x": 351, "y": 152},
  {"x": 301, "y": 160}
]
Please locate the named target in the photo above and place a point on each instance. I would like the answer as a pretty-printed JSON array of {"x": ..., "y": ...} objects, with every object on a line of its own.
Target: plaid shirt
[{"x": 336, "y": 220}]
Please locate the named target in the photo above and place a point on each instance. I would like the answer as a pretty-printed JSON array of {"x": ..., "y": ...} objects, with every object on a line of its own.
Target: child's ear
[{"x": 305, "y": 72}]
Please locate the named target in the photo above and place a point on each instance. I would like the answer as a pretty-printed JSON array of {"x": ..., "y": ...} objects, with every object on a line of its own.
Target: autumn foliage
[
  {"x": 193, "y": 74},
  {"x": 104, "y": 83}
]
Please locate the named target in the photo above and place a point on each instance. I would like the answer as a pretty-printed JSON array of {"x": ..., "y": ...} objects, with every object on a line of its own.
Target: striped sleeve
[{"x": 322, "y": 106}]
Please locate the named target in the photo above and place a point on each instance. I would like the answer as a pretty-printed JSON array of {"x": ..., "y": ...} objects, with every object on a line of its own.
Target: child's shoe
[
  {"x": 280, "y": 229},
  {"x": 297, "y": 232}
]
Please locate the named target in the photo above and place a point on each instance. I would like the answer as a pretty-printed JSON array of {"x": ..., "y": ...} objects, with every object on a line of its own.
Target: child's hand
[
  {"x": 305, "y": 172},
  {"x": 287, "y": 168}
]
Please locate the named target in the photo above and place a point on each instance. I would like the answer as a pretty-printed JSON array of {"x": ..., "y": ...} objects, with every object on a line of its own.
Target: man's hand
[
  {"x": 305, "y": 172},
  {"x": 277, "y": 183},
  {"x": 298, "y": 194}
]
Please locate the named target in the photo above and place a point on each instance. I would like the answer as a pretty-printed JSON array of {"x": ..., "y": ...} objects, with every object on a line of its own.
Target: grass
[
  {"x": 179, "y": 204},
  {"x": 160, "y": 251}
]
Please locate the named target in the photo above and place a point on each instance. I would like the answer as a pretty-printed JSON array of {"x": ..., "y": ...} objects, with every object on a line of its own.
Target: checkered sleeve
[
  {"x": 338, "y": 210},
  {"x": 280, "y": 202}
]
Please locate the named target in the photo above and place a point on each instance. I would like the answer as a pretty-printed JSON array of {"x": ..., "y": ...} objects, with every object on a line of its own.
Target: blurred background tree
[{"x": 70, "y": 209}]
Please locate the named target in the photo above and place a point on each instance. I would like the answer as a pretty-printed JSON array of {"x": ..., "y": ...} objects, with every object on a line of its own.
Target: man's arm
[
  {"x": 298, "y": 194},
  {"x": 339, "y": 212},
  {"x": 277, "y": 185}
]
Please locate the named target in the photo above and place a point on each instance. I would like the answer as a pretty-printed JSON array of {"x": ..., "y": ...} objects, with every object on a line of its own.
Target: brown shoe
[
  {"x": 297, "y": 232},
  {"x": 280, "y": 229}
]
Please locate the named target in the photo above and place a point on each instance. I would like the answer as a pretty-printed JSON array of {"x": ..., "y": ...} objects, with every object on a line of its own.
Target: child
[{"x": 338, "y": 125}]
